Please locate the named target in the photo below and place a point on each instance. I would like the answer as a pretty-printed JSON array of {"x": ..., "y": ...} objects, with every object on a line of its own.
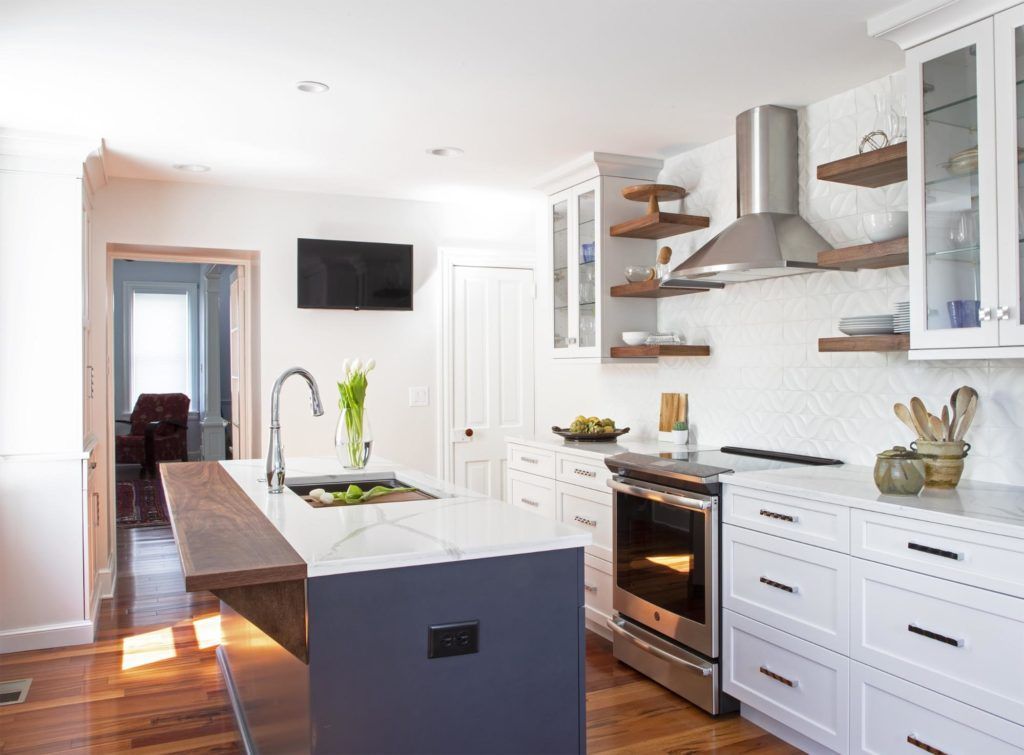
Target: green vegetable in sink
[{"x": 355, "y": 494}]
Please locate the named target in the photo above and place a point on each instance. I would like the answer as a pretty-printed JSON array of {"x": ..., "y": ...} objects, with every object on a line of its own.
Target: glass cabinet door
[
  {"x": 560, "y": 272},
  {"x": 586, "y": 261},
  {"x": 1010, "y": 171},
  {"x": 956, "y": 135}
]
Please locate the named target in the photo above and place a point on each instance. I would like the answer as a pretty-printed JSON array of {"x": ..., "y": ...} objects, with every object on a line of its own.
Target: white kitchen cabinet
[
  {"x": 584, "y": 321},
  {"x": 965, "y": 126}
]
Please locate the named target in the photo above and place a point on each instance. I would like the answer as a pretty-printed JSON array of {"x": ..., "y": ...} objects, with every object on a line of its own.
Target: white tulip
[
  {"x": 370, "y": 364},
  {"x": 346, "y": 365},
  {"x": 356, "y": 365},
  {"x": 327, "y": 498},
  {"x": 316, "y": 492}
]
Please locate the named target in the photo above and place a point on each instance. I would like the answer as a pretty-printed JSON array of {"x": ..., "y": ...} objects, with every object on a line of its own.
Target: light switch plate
[{"x": 418, "y": 396}]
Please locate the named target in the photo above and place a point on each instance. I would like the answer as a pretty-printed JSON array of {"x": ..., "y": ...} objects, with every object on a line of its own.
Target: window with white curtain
[{"x": 159, "y": 341}]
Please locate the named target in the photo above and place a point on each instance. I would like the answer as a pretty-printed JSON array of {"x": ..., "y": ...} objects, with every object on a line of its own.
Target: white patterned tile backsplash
[{"x": 765, "y": 383}]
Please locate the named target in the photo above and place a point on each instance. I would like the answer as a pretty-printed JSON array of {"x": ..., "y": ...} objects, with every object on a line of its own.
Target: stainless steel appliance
[
  {"x": 769, "y": 238},
  {"x": 666, "y": 566}
]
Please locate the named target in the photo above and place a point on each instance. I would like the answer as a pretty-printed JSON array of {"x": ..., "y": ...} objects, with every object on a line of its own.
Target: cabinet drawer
[
  {"x": 591, "y": 512},
  {"x": 531, "y": 460},
  {"x": 536, "y": 494},
  {"x": 799, "y": 684},
  {"x": 586, "y": 472},
  {"x": 597, "y": 590},
  {"x": 791, "y": 586},
  {"x": 995, "y": 562},
  {"x": 957, "y": 640},
  {"x": 891, "y": 715},
  {"x": 802, "y": 519}
]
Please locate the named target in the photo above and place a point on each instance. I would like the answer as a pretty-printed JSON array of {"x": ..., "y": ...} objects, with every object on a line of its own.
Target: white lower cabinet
[
  {"x": 570, "y": 489},
  {"x": 890, "y": 715},
  {"x": 795, "y": 682},
  {"x": 913, "y": 642},
  {"x": 793, "y": 587},
  {"x": 960, "y": 641}
]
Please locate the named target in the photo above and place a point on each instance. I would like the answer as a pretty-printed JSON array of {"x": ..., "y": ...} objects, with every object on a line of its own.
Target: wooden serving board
[{"x": 673, "y": 409}]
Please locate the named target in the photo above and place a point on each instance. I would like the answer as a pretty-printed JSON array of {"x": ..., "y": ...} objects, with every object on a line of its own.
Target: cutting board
[{"x": 673, "y": 409}]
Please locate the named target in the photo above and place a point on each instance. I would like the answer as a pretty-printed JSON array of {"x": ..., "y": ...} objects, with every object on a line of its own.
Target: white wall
[
  {"x": 765, "y": 383},
  {"x": 405, "y": 344}
]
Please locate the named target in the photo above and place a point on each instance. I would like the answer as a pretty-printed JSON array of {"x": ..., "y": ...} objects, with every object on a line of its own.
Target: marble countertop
[
  {"x": 623, "y": 445},
  {"x": 986, "y": 506},
  {"x": 458, "y": 524}
]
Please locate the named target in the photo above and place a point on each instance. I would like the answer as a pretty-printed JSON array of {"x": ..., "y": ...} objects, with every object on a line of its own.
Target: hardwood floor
[{"x": 147, "y": 685}]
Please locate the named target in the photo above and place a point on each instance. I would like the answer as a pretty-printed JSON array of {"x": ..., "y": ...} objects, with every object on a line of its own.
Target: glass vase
[{"x": 353, "y": 438}]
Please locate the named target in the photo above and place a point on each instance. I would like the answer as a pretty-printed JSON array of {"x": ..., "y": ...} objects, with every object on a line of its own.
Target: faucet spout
[{"x": 275, "y": 454}]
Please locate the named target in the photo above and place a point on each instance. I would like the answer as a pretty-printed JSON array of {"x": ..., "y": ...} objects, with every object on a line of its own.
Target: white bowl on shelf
[
  {"x": 886, "y": 226},
  {"x": 635, "y": 337}
]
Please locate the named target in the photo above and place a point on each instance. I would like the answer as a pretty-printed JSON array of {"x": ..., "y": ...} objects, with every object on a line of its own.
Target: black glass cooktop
[{"x": 705, "y": 466}]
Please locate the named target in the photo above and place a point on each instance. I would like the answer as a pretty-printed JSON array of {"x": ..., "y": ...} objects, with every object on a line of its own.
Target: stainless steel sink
[{"x": 337, "y": 483}]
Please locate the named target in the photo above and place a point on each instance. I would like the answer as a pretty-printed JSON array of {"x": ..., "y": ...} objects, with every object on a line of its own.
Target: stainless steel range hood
[{"x": 769, "y": 239}]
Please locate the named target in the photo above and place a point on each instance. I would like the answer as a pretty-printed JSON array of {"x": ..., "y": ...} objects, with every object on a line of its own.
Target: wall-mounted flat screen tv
[{"x": 354, "y": 275}]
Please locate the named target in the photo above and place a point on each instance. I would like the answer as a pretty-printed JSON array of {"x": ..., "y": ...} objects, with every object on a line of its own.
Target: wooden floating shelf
[
  {"x": 868, "y": 256},
  {"x": 879, "y": 167},
  {"x": 681, "y": 350},
  {"x": 659, "y": 225},
  {"x": 894, "y": 342},
  {"x": 651, "y": 290}
]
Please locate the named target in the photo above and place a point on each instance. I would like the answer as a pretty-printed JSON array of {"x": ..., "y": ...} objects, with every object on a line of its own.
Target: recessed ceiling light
[
  {"x": 445, "y": 152},
  {"x": 192, "y": 167},
  {"x": 313, "y": 87}
]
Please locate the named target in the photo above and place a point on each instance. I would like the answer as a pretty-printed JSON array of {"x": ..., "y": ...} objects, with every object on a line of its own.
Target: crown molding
[
  {"x": 593, "y": 164},
  {"x": 38, "y": 152},
  {"x": 919, "y": 21}
]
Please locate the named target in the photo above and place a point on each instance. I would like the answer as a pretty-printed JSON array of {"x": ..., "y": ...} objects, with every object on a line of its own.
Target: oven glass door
[{"x": 661, "y": 555}]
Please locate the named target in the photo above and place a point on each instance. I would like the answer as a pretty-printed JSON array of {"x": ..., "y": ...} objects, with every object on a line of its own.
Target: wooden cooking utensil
[
  {"x": 907, "y": 418},
  {"x": 935, "y": 425},
  {"x": 945, "y": 423},
  {"x": 921, "y": 417},
  {"x": 959, "y": 400},
  {"x": 968, "y": 417}
]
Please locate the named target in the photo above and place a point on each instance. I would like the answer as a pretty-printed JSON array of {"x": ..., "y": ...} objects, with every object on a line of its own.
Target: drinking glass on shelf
[{"x": 963, "y": 231}]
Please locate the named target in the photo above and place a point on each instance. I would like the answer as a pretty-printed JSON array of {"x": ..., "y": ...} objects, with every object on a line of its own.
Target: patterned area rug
[{"x": 140, "y": 503}]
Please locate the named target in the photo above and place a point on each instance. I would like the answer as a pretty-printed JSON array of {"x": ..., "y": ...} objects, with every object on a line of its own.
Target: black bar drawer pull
[
  {"x": 776, "y": 515},
  {"x": 777, "y": 585},
  {"x": 936, "y": 551},
  {"x": 778, "y": 678},
  {"x": 935, "y": 636},
  {"x": 912, "y": 740}
]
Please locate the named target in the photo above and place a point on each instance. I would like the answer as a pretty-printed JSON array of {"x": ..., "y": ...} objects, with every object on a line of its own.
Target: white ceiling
[{"x": 521, "y": 85}]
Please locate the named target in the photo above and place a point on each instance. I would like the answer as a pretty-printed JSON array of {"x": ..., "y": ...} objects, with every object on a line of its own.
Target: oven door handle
[
  {"x": 618, "y": 627},
  {"x": 691, "y": 504}
]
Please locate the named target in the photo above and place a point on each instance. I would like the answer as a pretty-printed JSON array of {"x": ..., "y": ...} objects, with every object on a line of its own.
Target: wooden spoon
[
  {"x": 935, "y": 425},
  {"x": 945, "y": 424},
  {"x": 959, "y": 400},
  {"x": 965, "y": 422},
  {"x": 907, "y": 418},
  {"x": 921, "y": 418}
]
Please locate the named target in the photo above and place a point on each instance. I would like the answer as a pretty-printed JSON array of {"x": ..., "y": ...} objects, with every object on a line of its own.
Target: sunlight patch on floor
[
  {"x": 208, "y": 632},
  {"x": 150, "y": 647}
]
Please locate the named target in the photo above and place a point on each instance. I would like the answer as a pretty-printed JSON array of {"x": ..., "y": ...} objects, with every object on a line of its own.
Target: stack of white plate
[
  {"x": 867, "y": 325},
  {"x": 901, "y": 317}
]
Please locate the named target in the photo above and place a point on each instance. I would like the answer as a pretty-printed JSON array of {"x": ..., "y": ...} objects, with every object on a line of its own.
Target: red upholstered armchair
[{"x": 159, "y": 431}]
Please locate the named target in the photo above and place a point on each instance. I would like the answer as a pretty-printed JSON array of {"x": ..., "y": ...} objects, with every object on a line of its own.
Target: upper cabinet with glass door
[
  {"x": 965, "y": 133},
  {"x": 584, "y": 320}
]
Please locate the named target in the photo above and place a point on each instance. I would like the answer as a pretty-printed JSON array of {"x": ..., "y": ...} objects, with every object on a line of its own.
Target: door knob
[{"x": 469, "y": 432}]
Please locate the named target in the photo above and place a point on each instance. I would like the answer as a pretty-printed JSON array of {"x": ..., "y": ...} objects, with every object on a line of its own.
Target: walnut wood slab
[
  {"x": 667, "y": 350},
  {"x": 868, "y": 256},
  {"x": 879, "y": 167},
  {"x": 651, "y": 290},
  {"x": 895, "y": 342},
  {"x": 223, "y": 539},
  {"x": 659, "y": 225}
]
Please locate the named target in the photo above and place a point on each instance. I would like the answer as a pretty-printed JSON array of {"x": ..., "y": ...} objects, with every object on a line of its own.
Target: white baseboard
[
  {"x": 47, "y": 636},
  {"x": 785, "y": 733}
]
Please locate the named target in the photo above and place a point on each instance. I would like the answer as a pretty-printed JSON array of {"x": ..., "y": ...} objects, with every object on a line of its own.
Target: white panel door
[{"x": 492, "y": 371}]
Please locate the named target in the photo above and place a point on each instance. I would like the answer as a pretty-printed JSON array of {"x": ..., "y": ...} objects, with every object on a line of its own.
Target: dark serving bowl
[{"x": 590, "y": 437}]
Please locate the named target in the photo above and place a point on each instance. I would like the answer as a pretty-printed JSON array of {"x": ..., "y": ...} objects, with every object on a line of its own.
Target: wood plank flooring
[{"x": 83, "y": 700}]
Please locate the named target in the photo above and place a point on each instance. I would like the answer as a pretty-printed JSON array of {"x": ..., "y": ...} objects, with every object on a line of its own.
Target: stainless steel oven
[{"x": 666, "y": 582}]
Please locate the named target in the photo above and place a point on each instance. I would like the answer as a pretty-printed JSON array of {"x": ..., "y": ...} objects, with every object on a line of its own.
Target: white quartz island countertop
[
  {"x": 458, "y": 524},
  {"x": 986, "y": 506}
]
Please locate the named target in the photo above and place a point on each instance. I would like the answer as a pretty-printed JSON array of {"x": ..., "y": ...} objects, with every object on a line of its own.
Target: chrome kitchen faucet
[{"x": 275, "y": 456}]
